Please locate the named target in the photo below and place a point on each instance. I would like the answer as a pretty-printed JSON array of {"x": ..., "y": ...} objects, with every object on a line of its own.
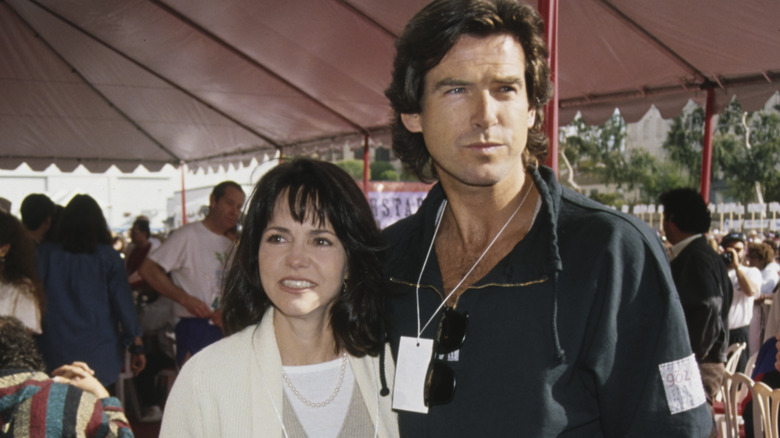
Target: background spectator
[
  {"x": 21, "y": 294},
  {"x": 37, "y": 211},
  {"x": 92, "y": 315},
  {"x": 73, "y": 403}
]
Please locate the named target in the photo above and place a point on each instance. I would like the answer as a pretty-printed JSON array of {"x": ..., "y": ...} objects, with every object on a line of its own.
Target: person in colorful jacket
[{"x": 32, "y": 404}]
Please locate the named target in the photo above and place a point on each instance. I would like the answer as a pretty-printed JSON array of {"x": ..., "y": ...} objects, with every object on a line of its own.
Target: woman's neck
[{"x": 303, "y": 342}]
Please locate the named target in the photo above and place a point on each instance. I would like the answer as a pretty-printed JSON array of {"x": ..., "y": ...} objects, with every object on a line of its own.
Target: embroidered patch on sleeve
[{"x": 682, "y": 384}]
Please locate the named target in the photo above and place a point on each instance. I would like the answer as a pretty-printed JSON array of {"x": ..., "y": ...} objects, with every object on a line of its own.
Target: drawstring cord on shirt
[
  {"x": 560, "y": 355},
  {"x": 382, "y": 378}
]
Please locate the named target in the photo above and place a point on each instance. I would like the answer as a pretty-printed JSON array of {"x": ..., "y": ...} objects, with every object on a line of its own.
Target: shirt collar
[{"x": 677, "y": 249}]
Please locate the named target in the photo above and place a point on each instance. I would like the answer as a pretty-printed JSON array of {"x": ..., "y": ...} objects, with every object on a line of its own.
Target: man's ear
[
  {"x": 412, "y": 122},
  {"x": 531, "y": 117}
]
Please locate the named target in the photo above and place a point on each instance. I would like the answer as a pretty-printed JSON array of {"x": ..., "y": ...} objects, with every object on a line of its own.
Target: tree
[
  {"x": 599, "y": 153},
  {"x": 353, "y": 167},
  {"x": 745, "y": 151},
  {"x": 379, "y": 170}
]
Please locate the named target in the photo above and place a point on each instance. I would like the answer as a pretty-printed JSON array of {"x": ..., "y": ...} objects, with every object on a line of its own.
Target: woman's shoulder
[{"x": 229, "y": 353}]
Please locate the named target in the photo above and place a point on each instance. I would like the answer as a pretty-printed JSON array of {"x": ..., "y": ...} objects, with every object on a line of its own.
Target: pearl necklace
[{"x": 332, "y": 397}]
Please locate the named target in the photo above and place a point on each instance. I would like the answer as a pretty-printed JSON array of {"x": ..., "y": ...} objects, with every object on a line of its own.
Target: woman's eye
[
  {"x": 274, "y": 238},
  {"x": 321, "y": 241}
]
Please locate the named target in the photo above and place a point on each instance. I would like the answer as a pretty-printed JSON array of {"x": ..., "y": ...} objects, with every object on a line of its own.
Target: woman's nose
[{"x": 297, "y": 257}]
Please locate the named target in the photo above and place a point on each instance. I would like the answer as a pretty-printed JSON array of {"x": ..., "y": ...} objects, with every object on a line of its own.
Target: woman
[
  {"x": 91, "y": 314},
  {"x": 302, "y": 308},
  {"x": 21, "y": 294},
  {"x": 760, "y": 255}
]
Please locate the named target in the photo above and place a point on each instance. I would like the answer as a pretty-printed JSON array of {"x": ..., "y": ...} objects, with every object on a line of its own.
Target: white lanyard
[{"x": 439, "y": 216}]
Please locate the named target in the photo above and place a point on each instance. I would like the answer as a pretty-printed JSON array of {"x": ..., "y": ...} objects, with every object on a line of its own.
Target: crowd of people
[{"x": 506, "y": 305}]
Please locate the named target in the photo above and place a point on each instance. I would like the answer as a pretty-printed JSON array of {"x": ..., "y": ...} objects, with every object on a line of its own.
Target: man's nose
[{"x": 484, "y": 110}]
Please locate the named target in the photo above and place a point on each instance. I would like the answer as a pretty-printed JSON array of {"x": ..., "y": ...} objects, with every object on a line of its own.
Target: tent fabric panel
[
  {"x": 190, "y": 61},
  {"x": 321, "y": 47},
  {"x": 707, "y": 33},
  {"x": 608, "y": 55}
]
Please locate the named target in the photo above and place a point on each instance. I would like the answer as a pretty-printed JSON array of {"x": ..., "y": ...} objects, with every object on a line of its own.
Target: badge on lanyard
[{"x": 414, "y": 356}]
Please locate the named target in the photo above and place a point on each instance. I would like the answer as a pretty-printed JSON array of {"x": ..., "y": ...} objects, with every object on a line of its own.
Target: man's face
[
  {"x": 739, "y": 247},
  {"x": 669, "y": 229},
  {"x": 475, "y": 114},
  {"x": 226, "y": 211},
  {"x": 137, "y": 236}
]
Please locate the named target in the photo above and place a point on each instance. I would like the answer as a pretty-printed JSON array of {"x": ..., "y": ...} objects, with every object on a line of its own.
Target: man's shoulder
[
  {"x": 753, "y": 273},
  {"x": 410, "y": 225},
  {"x": 699, "y": 249},
  {"x": 183, "y": 234},
  {"x": 578, "y": 212}
]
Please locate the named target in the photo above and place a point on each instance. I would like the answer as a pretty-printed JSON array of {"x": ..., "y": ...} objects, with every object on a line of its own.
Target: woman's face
[{"x": 302, "y": 265}]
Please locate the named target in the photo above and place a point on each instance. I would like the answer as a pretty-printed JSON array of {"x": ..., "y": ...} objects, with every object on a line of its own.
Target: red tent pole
[
  {"x": 549, "y": 11},
  {"x": 183, "y": 197},
  {"x": 706, "y": 157},
  {"x": 365, "y": 165}
]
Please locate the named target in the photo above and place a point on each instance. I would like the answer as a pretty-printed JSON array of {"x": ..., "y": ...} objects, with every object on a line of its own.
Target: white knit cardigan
[{"x": 233, "y": 388}]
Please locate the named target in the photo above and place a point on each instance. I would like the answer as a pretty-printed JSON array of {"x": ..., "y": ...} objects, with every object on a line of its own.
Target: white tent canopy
[{"x": 206, "y": 83}]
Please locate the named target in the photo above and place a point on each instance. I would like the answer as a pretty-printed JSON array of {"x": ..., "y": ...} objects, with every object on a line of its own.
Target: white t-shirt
[
  {"x": 741, "y": 310},
  {"x": 316, "y": 383},
  {"x": 769, "y": 278},
  {"x": 18, "y": 301},
  {"x": 196, "y": 259}
]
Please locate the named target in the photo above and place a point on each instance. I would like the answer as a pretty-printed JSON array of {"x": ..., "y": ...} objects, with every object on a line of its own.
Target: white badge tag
[
  {"x": 413, "y": 360},
  {"x": 682, "y": 383}
]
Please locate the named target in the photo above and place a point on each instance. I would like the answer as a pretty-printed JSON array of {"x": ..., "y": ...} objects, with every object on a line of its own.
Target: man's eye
[
  {"x": 507, "y": 89},
  {"x": 457, "y": 90}
]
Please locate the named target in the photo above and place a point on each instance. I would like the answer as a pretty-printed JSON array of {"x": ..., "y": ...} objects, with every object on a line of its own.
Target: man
[
  {"x": 73, "y": 403},
  {"x": 562, "y": 318},
  {"x": 702, "y": 281},
  {"x": 746, "y": 281},
  {"x": 195, "y": 256},
  {"x": 37, "y": 211}
]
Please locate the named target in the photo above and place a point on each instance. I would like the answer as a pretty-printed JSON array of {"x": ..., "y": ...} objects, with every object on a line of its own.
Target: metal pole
[
  {"x": 549, "y": 11},
  {"x": 183, "y": 196},
  {"x": 706, "y": 153},
  {"x": 366, "y": 164}
]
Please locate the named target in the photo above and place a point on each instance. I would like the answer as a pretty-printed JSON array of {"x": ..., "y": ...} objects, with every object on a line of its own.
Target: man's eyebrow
[
  {"x": 510, "y": 80},
  {"x": 450, "y": 82}
]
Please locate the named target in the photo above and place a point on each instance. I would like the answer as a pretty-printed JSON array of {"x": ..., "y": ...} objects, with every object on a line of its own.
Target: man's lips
[{"x": 481, "y": 146}]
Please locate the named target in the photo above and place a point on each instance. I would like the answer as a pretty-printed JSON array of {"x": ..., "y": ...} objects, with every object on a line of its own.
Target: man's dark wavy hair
[
  {"x": 319, "y": 191},
  {"x": 35, "y": 209},
  {"x": 428, "y": 37},
  {"x": 17, "y": 346},
  {"x": 686, "y": 208}
]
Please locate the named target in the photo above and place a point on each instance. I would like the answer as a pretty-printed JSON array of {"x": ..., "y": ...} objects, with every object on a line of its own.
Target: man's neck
[
  {"x": 38, "y": 235},
  {"x": 211, "y": 224},
  {"x": 476, "y": 214}
]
